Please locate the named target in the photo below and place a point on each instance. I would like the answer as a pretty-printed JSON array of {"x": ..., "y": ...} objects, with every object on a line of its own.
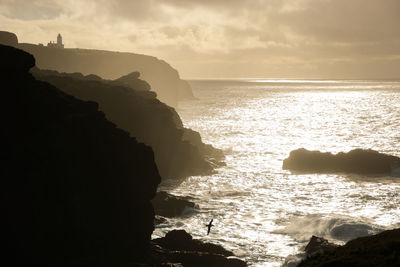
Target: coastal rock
[
  {"x": 318, "y": 245},
  {"x": 356, "y": 161},
  {"x": 168, "y": 205},
  {"x": 75, "y": 189},
  {"x": 141, "y": 114},
  {"x": 377, "y": 250},
  {"x": 179, "y": 246},
  {"x": 181, "y": 240},
  {"x": 8, "y": 38}
]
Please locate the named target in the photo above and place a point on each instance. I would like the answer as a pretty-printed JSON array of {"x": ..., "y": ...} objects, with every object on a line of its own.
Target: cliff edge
[
  {"x": 75, "y": 189},
  {"x": 163, "y": 79}
]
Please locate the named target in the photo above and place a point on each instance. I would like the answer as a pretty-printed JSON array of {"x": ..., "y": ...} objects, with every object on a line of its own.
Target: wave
[{"x": 338, "y": 229}]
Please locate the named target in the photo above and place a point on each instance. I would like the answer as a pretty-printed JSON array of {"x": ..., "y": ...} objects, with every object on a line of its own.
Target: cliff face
[
  {"x": 179, "y": 152},
  {"x": 75, "y": 189},
  {"x": 163, "y": 79}
]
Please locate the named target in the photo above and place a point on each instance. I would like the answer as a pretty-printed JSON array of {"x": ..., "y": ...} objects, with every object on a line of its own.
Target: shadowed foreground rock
[
  {"x": 356, "y": 161},
  {"x": 179, "y": 246},
  {"x": 75, "y": 189},
  {"x": 378, "y": 250}
]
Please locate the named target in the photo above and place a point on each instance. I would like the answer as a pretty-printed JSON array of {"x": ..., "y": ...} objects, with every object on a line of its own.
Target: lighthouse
[{"x": 59, "y": 43}]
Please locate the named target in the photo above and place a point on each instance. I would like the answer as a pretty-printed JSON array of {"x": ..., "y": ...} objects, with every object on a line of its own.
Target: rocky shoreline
[{"x": 77, "y": 189}]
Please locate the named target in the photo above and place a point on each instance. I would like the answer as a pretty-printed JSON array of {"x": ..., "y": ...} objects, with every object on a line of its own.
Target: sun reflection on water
[{"x": 263, "y": 213}]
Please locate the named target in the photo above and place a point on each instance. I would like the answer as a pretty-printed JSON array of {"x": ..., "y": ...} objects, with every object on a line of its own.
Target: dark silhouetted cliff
[
  {"x": 127, "y": 102},
  {"x": 164, "y": 79},
  {"x": 75, "y": 189}
]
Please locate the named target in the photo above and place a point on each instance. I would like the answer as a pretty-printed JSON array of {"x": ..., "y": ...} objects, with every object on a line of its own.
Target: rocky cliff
[
  {"x": 163, "y": 79},
  {"x": 75, "y": 189},
  {"x": 127, "y": 102}
]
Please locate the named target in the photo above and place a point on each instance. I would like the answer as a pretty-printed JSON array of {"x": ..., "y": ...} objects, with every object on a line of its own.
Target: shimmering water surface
[{"x": 265, "y": 214}]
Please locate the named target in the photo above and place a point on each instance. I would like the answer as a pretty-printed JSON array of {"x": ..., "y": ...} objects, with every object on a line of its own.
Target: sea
[{"x": 267, "y": 215}]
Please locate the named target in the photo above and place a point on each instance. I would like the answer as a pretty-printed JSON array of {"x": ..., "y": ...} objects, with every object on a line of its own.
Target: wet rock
[
  {"x": 356, "y": 161},
  {"x": 318, "y": 245},
  {"x": 159, "y": 220},
  {"x": 179, "y": 246},
  {"x": 377, "y": 250},
  {"x": 181, "y": 240},
  {"x": 168, "y": 205}
]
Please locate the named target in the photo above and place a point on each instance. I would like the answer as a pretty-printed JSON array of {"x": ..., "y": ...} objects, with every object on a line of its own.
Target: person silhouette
[{"x": 209, "y": 225}]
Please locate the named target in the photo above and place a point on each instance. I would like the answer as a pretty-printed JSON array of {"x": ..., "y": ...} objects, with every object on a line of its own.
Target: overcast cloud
[{"x": 220, "y": 38}]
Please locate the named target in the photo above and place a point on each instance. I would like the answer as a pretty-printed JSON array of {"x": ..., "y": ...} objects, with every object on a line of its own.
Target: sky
[{"x": 330, "y": 39}]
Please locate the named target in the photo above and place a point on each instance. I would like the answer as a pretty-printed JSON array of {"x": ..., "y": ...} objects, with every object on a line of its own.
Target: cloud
[{"x": 261, "y": 37}]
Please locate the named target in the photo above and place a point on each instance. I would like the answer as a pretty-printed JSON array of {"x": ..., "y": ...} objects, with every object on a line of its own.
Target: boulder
[{"x": 359, "y": 161}]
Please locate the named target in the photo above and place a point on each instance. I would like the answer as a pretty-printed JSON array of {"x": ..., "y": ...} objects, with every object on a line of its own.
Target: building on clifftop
[{"x": 59, "y": 43}]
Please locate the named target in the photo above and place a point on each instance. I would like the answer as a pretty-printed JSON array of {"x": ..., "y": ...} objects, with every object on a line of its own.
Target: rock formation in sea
[
  {"x": 377, "y": 250},
  {"x": 127, "y": 101},
  {"x": 358, "y": 161},
  {"x": 75, "y": 189},
  {"x": 163, "y": 78},
  {"x": 179, "y": 246}
]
